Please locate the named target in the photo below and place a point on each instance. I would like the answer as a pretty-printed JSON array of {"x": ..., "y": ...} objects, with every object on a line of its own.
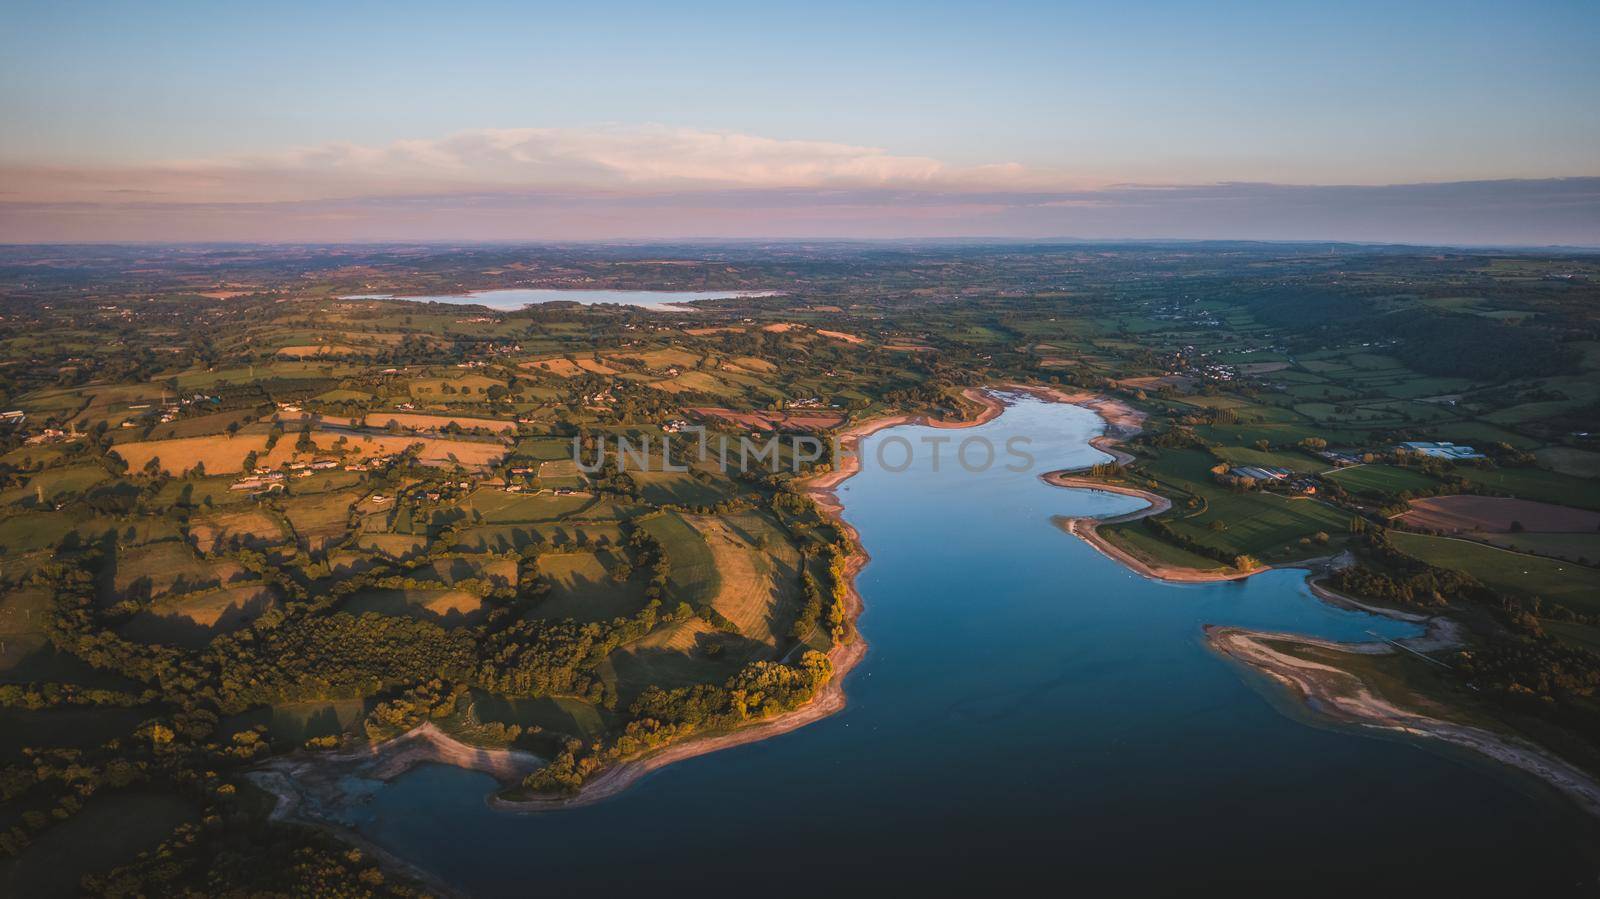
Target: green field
[
  {"x": 1256, "y": 523},
  {"x": 680, "y": 488},
  {"x": 1238, "y": 455},
  {"x": 693, "y": 576},
  {"x": 490, "y": 506},
  {"x": 1572, "y": 547},
  {"x": 1570, "y": 584},
  {"x": 56, "y": 485},
  {"x": 559, "y": 715},
  {"x": 297, "y": 722},
  {"x": 1384, "y": 481},
  {"x": 582, "y": 587},
  {"x": 511, "y": 538},
  {"x": 1536, "y": 483},
  {"x": 451, "y": 608},
  {"x": 1136, "y": 539}
]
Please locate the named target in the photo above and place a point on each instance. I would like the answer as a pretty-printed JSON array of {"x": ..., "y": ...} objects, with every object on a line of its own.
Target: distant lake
[
  {"x": 516, "y": 298},
  {"x": 1031, "y": 714}
]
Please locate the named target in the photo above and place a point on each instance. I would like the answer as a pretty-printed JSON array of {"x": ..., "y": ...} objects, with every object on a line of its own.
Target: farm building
[
  {"x": 1257, "y": 473},
  {"x": 1442, "y": 450}
]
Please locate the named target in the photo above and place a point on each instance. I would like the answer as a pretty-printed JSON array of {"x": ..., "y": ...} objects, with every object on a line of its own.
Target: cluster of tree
[
  {"x": 810, "y": 607},
  {"x": 424, "y": 702},
  {"x": 237, "y": 855},
  {"x": 540, "y": 657},
  {"x": 1432, "y": 341},
  {"x": 1471, "y": 346},
  {"x": 50, "y": 695},
  {"x": 759, "y": 690},
  {"x": 66, "y": 779},
  {"x": 1538, "y": 675},
  {"x": 337, "y": 655},
  {"x": 1401, "y": 579},
  {"x": 659, "y": 716}
]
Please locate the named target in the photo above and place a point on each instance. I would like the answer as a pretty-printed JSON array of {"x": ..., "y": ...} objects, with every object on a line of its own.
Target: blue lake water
[
  {"x": 1030, "y": 713},
  {"x": 517, "y": 298}
]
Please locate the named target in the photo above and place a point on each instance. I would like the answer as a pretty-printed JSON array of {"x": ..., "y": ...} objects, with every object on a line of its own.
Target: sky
[{"x": 1423, "y": 122}]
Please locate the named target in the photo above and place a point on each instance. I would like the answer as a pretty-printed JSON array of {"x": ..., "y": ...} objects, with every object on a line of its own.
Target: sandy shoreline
[
  {"x": 1343, "y": 697},
  {"x": 311, "y": 787},
  {"x": 1122, "y": 423}
]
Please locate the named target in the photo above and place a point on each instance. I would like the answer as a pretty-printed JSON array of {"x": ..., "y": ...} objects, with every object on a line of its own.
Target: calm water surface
[
  {"x": 1030, "y": 713},
  {"x": 520, "y": 297}
]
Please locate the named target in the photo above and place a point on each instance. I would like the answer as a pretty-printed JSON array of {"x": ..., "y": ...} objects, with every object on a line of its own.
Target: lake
[
  {"x": 1030, "y": 714},
  {"x": 517, "y": 298}
]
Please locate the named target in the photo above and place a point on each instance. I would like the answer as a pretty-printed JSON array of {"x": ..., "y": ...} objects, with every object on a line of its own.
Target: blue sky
[{"x": 122, "y": 97}]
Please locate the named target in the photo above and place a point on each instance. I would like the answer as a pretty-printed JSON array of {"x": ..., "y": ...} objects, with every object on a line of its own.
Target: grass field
[
  {"x": 680, "y": 488},
  {"x": 250, "y": 528},
  {"x": 1134, "y": 538},
  {"x": 697, "y": 382},
  {"x": 418, "y": 422},
  {"x": 675, "y": 656},
  {"x": 23, "y": 643},
  {"x": 199, "y": 425},
  {"x": 33, "y": 531},
  {"x": 395, "y": 546},
  {"x": 450, "y": 608},
  {"x": 158, "y": 569},
  {"x": 1570, "y": 584},
  {"x": 454, "y": 570},
  {"x": 544, "y": 449},
  {"x": 509, "y": 538},
  {"x": 1238, "y": 455},
  {"x": 297, "y": 722},
  {"x": 1382, "y": 481},
  {"x": 220, "y": 454},
  {"x": 1573, "y": 547},
  {"x": 201, "y": 493},
  {"x": 488, "y": 505},
  {"x": 582, "y": 587},
  {"x": 693, "y": 577},
  {"x": 1569, "y": 461},
  {"x": 561, "y": 474},
  {"x": 1538, "y": 484},
  {"x": 319, "y": 520},
  {"x": 559, "y": 715},
  {"x": 56, "y": 485},
  {"x": 569, "y": 368},
  {"x": 1583, "y": 636},
  {"x": 192, "y": 620},
  {"x": 758, "y": 588},
  {"x": 225, "y": 455},
  {"x": 1256, "y": 523},
  {"x": 467, "y": 388}
]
